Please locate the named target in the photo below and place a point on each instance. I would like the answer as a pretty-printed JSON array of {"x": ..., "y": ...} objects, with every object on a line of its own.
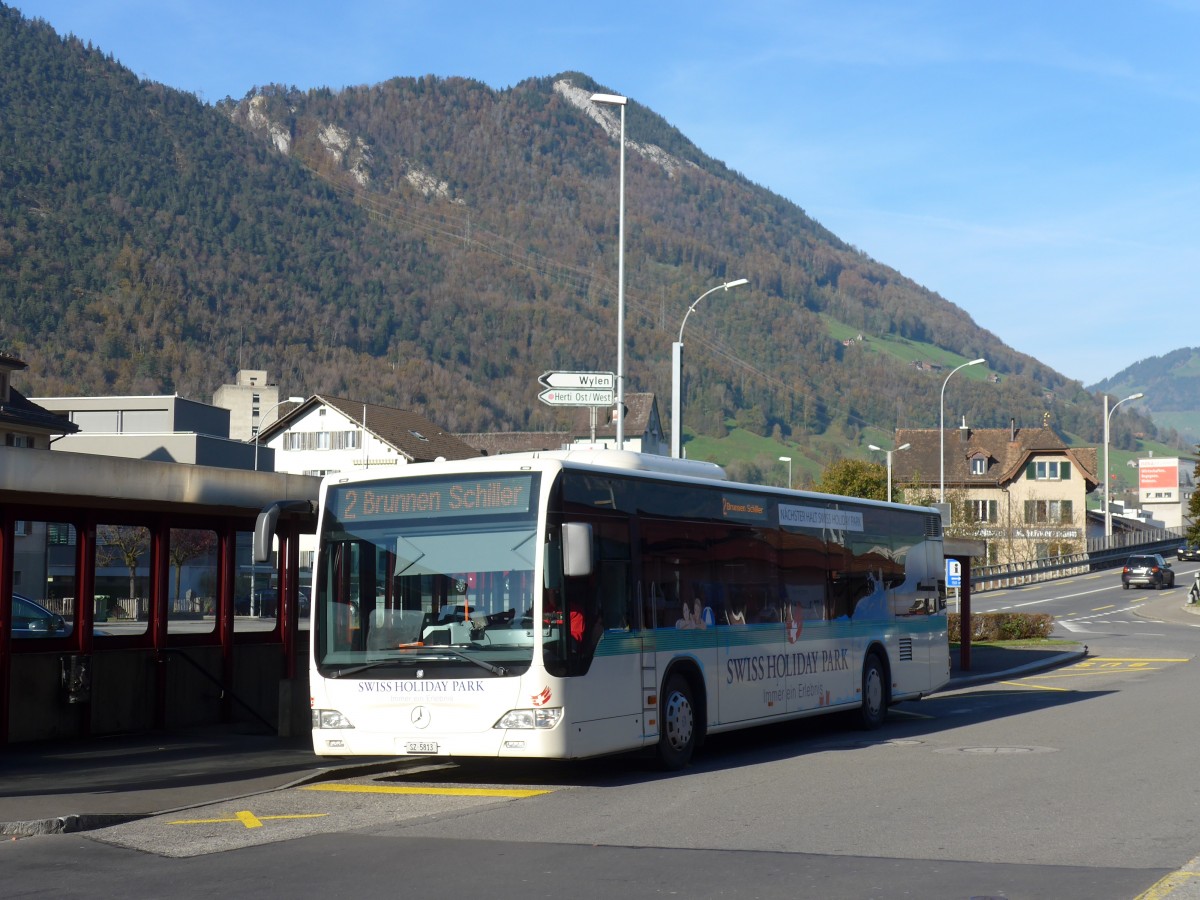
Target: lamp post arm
[
  {"x": 942, "y": 429},
  {"x": 720, "y": 287}
]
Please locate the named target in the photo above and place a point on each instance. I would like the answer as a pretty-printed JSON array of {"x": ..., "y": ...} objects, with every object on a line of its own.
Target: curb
[
  {"x": 77, "y": 822},
  {"x": 1049, "y": 662}
]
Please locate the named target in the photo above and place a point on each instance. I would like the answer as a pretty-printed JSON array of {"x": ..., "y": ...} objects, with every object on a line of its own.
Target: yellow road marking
[
  {"x": 1040, "y": 687},
  {"x": 1132, "y": 659},
  {"x": 247, "y": 818},
  {"x": 1166, "y": 886},
  {"x": 437, "y": 791},
  {"x": 1092, "y": 667},
  {"x": 1099, "y": 608}
]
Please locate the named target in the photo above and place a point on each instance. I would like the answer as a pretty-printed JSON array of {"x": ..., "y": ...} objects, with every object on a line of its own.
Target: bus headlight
[
  {"x": 530, "y": 718},
  {"x": 329, "y": 718}
]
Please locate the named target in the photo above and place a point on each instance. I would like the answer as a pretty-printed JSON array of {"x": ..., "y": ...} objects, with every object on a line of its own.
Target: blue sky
[{"x": 1036, "y": 163}]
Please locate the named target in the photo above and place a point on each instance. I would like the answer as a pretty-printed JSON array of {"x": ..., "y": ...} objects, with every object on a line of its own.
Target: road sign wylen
[
  {"x": 602, "y": 381},
  {"x": 578, "y": 388}
]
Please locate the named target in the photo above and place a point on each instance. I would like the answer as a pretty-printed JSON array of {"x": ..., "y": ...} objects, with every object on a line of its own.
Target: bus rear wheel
[
  {"x": 677, "y": 724},
  {"x": 874, "y": 694}
]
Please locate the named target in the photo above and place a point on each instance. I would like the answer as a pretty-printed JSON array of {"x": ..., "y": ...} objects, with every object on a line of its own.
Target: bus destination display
[{"x": 402, "y": 499}]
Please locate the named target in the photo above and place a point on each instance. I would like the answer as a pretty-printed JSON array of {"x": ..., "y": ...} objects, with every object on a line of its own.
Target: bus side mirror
[
  {"x": 264, "y": 526},
  {"x": 577, "y": 549},
  {"x": 264, "y": 532}
]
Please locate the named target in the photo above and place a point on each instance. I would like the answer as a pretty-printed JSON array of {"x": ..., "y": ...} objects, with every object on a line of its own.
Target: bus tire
[
  {"x": 677, "y": 724},
  {"x": 874, "y": 694}
]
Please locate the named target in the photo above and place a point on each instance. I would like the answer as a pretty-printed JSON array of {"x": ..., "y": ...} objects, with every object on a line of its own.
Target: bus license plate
[{"x": 421, "y": 747}]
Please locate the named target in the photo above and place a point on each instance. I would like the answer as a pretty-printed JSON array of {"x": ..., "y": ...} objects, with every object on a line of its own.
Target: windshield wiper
[
  {"x": 482, "y": 663},
  {"x": 374, "y": 664}
]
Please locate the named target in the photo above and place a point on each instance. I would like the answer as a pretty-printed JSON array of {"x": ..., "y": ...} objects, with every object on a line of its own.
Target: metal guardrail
[{"x": 1097, "y": 557}]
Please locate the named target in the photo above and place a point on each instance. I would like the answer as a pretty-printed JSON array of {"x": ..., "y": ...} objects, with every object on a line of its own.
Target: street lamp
[
  {"x": 618, "y": 100},
  {"x": 261, "y": 418},
  {"x": 677, "y": 366},
  {"x": 1108, "y": 415},
  {"x": 889, "y": 463},
  {"x": 788, "y": 460},
  {"x": 942, "y": 429}
]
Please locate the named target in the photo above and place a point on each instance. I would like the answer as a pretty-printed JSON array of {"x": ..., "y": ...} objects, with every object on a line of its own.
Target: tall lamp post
[
  {"x": 618, "y": 100},
  {"x": 788, "y": 460},
  {"x": 889, "y": 463},
  {"x": 942, "y": 429},
  {"x": 1108, "y": 415},
  {"x": 263, "y": 417},
  {"x": 677, "y": 366}
]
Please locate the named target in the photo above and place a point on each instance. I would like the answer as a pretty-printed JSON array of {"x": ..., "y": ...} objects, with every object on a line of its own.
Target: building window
[
  {"x": 19, "y": 440},
  {"x": 1048, "y": 470},
  {"x": 1049, "y": 512},
  {"x": 978, "y": 466},
  {"x": 984, "y": 510},
  {"x": 321, "y": 440},
  {"x": 59, "y": 534}
]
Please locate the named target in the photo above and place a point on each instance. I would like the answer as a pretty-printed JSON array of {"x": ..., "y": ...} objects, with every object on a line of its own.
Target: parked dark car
[
  {"x": 32, "y": 620},
  {"x": 1147, "y": 570},
  {"x": 1188, "y": 552}
]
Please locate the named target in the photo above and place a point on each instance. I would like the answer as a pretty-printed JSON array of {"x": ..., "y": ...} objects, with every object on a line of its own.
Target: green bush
[{"x": 1004, "y": 626}]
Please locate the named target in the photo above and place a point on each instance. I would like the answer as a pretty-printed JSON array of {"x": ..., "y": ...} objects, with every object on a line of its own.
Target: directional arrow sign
[
  {"x": 581, "y": 380},
  {"x": 576, "y": 397}
]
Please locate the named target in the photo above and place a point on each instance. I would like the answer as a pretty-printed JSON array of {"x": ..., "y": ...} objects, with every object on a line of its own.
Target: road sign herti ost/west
[
  {"x": 576, "y": 397},
  {"x": 578, "y": 388}
]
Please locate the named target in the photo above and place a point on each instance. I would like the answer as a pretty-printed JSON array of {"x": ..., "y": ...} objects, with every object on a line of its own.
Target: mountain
[
  {"x": 1171, "y": 384},
  {"x": 434, "y": 244}
]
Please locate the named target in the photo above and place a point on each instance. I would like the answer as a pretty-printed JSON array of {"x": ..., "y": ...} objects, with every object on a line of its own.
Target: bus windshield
[{"x": 429, "y": 573}]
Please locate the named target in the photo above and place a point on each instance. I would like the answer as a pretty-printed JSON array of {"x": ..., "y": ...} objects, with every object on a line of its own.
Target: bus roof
[{"x": 627, "y": 459}]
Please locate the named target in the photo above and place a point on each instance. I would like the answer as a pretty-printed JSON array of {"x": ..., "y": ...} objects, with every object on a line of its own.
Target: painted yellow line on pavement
[
  {"x": 247, "y": 818},
  {"x": 1099, "y": 608},
  {"x": 436, "y": 791},
  {"x": 1167, "y": 886},
  {"x": 1132, "y": 659},
  {"x": 1040, "y": 687}
]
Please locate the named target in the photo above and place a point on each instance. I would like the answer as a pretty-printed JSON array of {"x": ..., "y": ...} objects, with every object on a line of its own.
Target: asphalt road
[{"x": 1074, "y": 783}]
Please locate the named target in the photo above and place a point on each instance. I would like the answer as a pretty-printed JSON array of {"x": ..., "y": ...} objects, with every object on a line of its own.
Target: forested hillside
[
  {"x": 436, "y": 244},
  {"x": 1171, "y": 383}
]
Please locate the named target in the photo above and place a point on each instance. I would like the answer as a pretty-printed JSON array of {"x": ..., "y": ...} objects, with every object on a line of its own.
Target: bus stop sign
[{"x": 953, "y": 573}]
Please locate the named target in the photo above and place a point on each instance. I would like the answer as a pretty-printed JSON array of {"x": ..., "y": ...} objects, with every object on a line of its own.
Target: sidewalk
[
  {"x": 996, "y": 663},
  {"x": 67, "y": 786}
]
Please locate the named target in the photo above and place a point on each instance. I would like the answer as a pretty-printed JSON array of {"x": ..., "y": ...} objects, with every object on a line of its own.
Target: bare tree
[{"x": 127, "y": 543}]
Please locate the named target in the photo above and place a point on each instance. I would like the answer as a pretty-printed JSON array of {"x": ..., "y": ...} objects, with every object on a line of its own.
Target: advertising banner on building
[{"x": 1158, "y": 480}]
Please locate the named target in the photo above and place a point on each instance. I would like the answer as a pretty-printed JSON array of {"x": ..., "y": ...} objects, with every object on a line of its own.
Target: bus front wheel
[
  {"x": 874, "y": 694},
  {"x": 677, "y": 724}
]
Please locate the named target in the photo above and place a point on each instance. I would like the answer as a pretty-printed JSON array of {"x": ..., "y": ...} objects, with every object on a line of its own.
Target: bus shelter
[{"x": 130, "y": 600}]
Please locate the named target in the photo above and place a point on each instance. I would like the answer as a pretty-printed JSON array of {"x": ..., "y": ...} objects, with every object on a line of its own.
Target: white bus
[{"x": 576, "y": 603}]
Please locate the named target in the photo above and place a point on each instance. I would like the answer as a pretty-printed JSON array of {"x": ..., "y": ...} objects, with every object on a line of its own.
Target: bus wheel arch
[
  {"x": 876, "y": 693},
  {"x": 681, "y": 714}
]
